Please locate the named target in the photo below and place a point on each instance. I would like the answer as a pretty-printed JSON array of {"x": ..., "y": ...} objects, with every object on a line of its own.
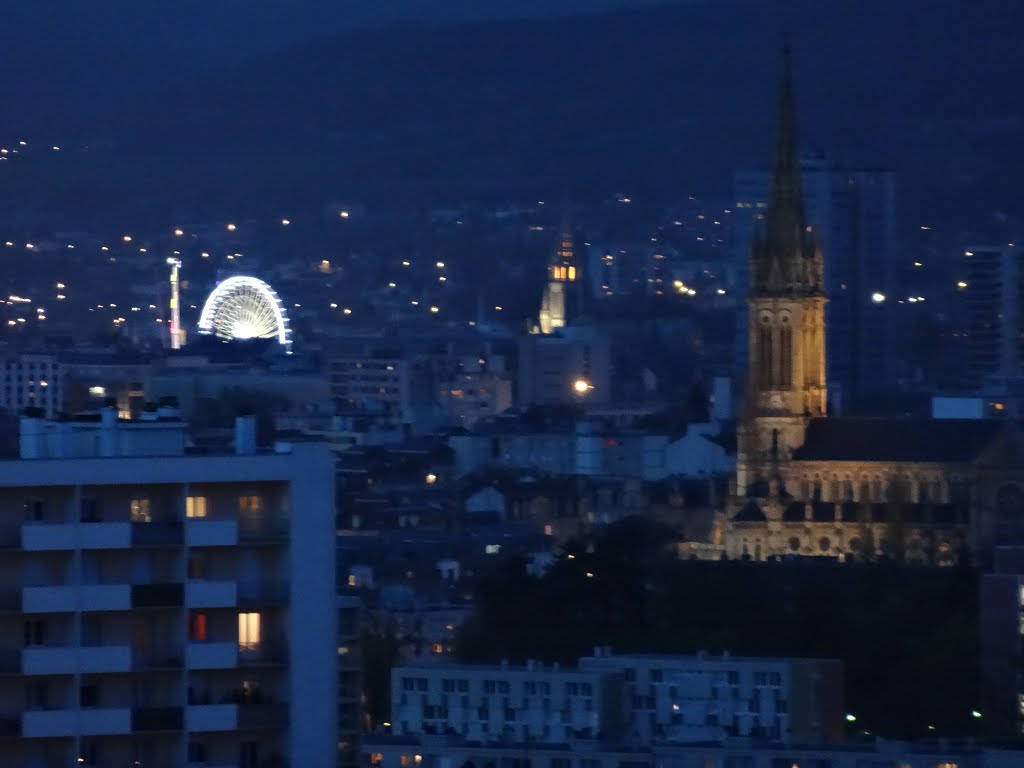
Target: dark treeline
[{"x": 908, "y": 635}]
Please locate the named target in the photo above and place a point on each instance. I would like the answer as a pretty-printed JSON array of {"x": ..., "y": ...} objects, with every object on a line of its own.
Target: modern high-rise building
[
  {"x": 163, "y": 607},
  {"x": 852, "y": 214},
  {"x": 993, "y": 286}
]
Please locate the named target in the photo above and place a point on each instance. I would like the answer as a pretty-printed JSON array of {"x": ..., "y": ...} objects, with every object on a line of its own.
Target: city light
[
  {"x": 581, "y": 386},
  {"x": 285, "y": 222},
  {"x": 435, "y": 310},
  {"x": 851, "y": 718},
  {"x": 178, "y": 232},
  {"x": 343, "y": 214},
  {"x": 232, "y": 227},
  {"x": 431, "y": 478},
  {"x": 961, "y": 284},
  {"x": 346, "y": 311},
  {"x": 878, "y": 298}
]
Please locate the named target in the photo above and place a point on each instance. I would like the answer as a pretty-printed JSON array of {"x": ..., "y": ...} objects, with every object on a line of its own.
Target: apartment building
[
  {"x": 534, "y": 703},
  {"x": 32, "y": 381},
  {"x": 162, "y": 606}
]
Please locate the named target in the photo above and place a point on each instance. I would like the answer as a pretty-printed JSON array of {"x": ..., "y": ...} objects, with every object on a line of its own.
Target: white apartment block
[
  {"x": 533, "y": 703},
  {"x": 32, "y": 381},
  {"x": 163, "y": 607},
  {"x": 688, "y": 699}
]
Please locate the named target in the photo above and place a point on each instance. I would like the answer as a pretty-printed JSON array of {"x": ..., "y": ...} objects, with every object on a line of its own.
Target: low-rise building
[
  {"x": 685, "y": 699},
  {"x": 531, "y": 703}
]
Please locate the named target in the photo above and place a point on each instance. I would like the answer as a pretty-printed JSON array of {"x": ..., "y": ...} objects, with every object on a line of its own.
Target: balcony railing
[
  {"x": 270, "y": 653},
  {"x": 10, "y": 600},
  {"x": 169, "y": 534},
  {"x": 158, "y": 719},
  {"x": 158, "y": 658},
  {"x": 266, "y": 530},
  {"x": 262, "y": 716},
  {"x": 158, "y": 595},
  {"x": 253, "y": 593},
  {"x": 10, "y": 662}
]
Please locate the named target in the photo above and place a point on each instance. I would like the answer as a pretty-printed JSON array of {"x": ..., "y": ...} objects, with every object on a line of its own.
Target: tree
[{"x": 380, "y": 653}]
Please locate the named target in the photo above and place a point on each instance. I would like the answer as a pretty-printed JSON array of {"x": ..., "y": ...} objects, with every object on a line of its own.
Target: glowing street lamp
[{"x": 581, "y": 386}]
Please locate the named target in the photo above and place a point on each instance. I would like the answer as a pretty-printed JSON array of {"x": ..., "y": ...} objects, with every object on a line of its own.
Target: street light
[
  {"x": 581, "y": 386},
  {"x": 851, "y": 718}
]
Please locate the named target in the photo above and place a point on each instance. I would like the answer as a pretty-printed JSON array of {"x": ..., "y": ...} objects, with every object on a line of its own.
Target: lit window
[
  {"x": 141, "y": 511},
  {"x": 197, "y": 627},
  {"x": 248, "y": 631},
  {"x": 492, "y": 549},
  {"x": 195, "y": 506},
  {"x": 549, "y": 530},
  {"x": 572, "y": 273},
  {"x": 352, "y": 581},
  {"x": 250, "y": 503}
]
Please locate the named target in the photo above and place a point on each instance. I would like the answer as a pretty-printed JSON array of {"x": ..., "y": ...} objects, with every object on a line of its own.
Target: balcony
[
  {"x": 158, "y": 719},
  {"x": 263, "y": 531},
  {"x": 211, "y": 655},
  {"x": 169, "y": 534},
  {"x": 67, "y": 599},
  {"x": 200, "y": 532},
  {"x": 205, "y": 718},
  {"x": 262, "y": 716},
  {"x": 67, "y": 660},
  {"x": 156, "y": 659},
  {"x": 158, "y": 595},
  {"x": 201, "y": 593},
  {"x": 37, "y": 537},
  {"x": 267, "y": 654},
  {"x": 254, "y": 594},
  {"x": 73, "y": 722}
]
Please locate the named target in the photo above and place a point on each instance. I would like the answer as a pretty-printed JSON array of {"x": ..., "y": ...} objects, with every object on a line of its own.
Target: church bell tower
[
  {"x": 786, "y": 315},
  {"x": 561, "y": 286}
]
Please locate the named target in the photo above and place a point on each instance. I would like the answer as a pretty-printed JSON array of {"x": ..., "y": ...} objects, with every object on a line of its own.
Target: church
[{"x": 814, "y": 485}]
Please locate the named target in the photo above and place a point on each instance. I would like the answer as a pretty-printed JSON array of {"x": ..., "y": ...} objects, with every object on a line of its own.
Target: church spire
[{"x": 785, "y": 257}]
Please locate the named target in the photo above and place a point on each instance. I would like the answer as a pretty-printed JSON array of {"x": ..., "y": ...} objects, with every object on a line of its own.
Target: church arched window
[
  {"x": 764, "y": 346},
  {"x": 785, "y": 353}
]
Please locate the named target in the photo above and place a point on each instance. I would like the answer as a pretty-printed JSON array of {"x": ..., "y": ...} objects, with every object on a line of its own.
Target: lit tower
[
  {"x": 177, "y": 334},
  {"x": 562, "y": 274}
]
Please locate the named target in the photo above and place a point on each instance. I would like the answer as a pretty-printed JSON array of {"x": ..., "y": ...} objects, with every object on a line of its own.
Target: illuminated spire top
[{"x": 785, "y": 258}]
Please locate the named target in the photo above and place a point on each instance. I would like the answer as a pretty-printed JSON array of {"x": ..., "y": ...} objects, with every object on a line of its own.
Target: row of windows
[{"x": 140, "y": 507}]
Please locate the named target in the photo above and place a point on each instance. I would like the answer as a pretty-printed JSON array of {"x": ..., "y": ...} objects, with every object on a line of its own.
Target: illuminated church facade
[{"x": 809, "y": 484}]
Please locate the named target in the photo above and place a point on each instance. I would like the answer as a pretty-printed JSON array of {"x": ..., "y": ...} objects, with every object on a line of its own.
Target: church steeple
[
  {"x": 785, "y": 259},
  {"x": 563, "y": 277}
]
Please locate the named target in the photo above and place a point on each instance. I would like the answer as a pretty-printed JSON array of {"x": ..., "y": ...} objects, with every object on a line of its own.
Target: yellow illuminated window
[
  {"x": 572, "y": 273},
  {"x": 248, "y": 631},
  {"x": 352, "y": 580},
  {"x": 250, "y": 503},
  {"x": 141, "y": 511},
  {"x": 548, "y": 530},
  {"x": 195, "y": 506}
]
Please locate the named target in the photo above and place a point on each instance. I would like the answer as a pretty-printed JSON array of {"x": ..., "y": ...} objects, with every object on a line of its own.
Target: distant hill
[{"x": 662, "y": 101}]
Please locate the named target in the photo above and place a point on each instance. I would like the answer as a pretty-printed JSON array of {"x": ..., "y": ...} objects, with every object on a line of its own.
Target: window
[
  {"x": 250, "y": 504},
  {"x": 36, "y": 695},
  {"x": 197, "y": 565},
  {"x": 140, "y": 509},
  {"x": 249, "y": 755},
  {"x": 35, "y": 631},
  {"x": 34, "y": 509},
  {"x": 89, "y": 695},
  {"x": 248, "y": 631},
  {"x": 197, "y": 629},
  {"x": 89, "y": 509},
  {"x": 195, "y": 506}
]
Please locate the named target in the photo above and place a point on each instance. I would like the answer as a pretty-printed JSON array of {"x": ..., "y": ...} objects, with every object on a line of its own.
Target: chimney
[
  {"x": 32, "y": 434},
  {"x": 108, "y": 430},
  {"x": 245, "y": 435}
]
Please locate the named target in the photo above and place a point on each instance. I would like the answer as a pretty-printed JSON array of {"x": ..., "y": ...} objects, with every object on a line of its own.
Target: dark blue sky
[{"x": 225, "y": 29}]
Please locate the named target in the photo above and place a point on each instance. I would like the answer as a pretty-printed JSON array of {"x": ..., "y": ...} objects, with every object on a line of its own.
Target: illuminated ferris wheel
[{"x": 245, "y": 308}]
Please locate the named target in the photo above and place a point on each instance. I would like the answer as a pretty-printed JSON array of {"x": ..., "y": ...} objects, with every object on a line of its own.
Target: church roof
[
  {"x": 750, "y": 513},
  {"x": 923, "y": 440}
]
